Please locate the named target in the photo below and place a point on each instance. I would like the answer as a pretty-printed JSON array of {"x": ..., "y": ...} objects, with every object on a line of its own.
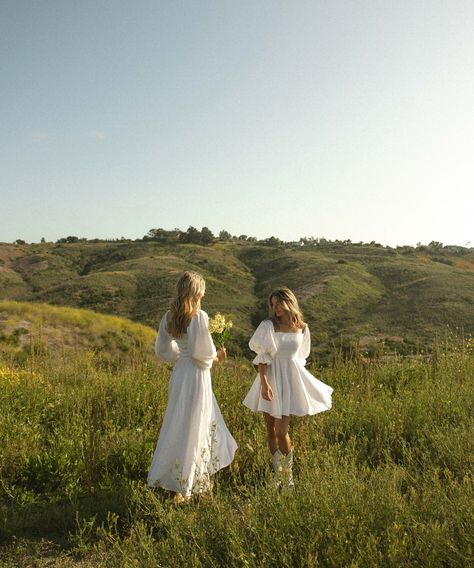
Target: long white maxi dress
[
  {"x": 295, "y": 390},
  {"x": 194, "y": 441}
]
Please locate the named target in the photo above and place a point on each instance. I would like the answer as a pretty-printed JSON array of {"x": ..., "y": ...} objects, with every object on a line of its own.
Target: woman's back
[
  {"x": 195, "y": 345},
  {"x": 194, "y": 441}
]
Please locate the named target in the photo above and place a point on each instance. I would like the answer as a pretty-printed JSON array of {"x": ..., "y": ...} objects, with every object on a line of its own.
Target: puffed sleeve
[
  {"x": 263, "y": 343},
  {"x": 201, "y": 346},
  {"x": 165, "y": 346},
  {"x": 305, "y": 347}
]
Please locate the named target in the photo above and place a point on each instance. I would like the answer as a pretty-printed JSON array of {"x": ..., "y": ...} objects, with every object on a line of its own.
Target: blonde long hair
[
  {"x": 189, "y": 290},
  {"x": 289, "y": 303}
]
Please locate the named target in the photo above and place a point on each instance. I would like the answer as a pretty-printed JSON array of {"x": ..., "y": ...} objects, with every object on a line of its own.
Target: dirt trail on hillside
[
  {"x": 309, "y": 290},
  {"x": 8, "y": 253}
]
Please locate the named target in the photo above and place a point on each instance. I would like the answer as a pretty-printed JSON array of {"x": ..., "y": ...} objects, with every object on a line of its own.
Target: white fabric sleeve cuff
[{"x": 263, "y": 358}]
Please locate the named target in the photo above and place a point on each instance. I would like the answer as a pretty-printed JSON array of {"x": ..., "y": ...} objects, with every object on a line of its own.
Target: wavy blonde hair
[
  {"x": 189, "y": 290},
  {"x": 289, "y": 303}
]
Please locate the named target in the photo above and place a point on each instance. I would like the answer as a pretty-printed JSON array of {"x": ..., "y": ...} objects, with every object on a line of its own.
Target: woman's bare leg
[
  {"x": 271, "y": 433},
  {"x": 286, "y": 448},
  {"x": 281, "y": 426}
]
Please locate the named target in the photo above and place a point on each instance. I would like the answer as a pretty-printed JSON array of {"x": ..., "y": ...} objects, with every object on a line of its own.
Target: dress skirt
[
  {"x": 194, "y": 441},
  {"x": 296, "y": 392}
]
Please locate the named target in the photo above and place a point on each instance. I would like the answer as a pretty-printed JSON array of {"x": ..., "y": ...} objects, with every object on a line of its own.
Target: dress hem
[
  {"x": 157, "y": 484},
  {"x": 290, "y": 414}
]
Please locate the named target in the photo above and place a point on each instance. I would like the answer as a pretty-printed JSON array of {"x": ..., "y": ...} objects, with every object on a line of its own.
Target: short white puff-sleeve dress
[
  {"x": 194, "y": 441},
  {"x": 295, "y": 390}
]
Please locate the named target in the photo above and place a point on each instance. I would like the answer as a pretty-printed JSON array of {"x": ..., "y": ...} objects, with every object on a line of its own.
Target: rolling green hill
[
  {"x": 350, "y": 293},
  {"x": 370, "y": 295},
  {"x": 27, "y": 327}
]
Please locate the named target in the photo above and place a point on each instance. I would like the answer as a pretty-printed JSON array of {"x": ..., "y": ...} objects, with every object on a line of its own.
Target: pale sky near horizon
[{"x": 336, "y": 119}]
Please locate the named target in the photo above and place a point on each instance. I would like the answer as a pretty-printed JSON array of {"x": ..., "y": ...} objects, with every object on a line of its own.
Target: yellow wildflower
[
  {"x": 12, "y": 376},
  {"x": 9, "y": 375}
]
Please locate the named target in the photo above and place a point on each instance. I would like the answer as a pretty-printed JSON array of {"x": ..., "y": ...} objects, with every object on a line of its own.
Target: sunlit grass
[
  {"x": 26, "y": 326},
  {"x": 383, "y": 479}
]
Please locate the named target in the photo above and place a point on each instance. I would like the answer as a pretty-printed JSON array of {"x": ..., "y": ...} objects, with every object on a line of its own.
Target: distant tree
[
  {"x": 20, "y": 242},
  {"x": 162, "y": 235},
  {"x": 225, "y": 235},
  {"x": 243, "y": 237},
  {"x": 43, "y": 240},
  {"x": 155, "y": 235},
  {"x": 68, "y": 240},
  {"x": 207, "y": 236},
  {"x": 192, "y": 235},
  {"x": 272, "y": 241}
]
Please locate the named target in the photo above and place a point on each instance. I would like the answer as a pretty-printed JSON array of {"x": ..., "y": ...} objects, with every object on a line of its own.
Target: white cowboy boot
[
  {"x": 278, "y": 460},
  {"x": 287, "y": 470}
]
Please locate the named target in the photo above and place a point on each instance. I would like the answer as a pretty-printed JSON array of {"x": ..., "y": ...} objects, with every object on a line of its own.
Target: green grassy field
[{"x": 383, "y": 479}]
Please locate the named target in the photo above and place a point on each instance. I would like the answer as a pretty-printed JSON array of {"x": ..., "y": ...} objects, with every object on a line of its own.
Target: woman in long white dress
[
  {"x": 284, "y": 387},
  {"x": 194, "y": 441}
]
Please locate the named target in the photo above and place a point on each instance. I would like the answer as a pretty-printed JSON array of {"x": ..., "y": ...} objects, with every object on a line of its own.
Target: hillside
[
  {"x": 370, "y": 295},
  {"x": 351, "y": 294},
  {"x": 25, "y": 325}
]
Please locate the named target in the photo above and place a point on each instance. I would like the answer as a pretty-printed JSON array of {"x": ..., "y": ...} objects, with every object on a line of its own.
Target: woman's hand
[
  {"x": 221, "y": 355},
  {"x": 266, "y": 391}
]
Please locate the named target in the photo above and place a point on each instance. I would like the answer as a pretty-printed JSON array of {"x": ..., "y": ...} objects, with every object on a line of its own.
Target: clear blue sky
[{"x": 342, "y": 119}]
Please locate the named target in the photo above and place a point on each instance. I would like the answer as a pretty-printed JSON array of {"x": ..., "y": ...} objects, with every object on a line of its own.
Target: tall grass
[{"x": 384, "y": 478}]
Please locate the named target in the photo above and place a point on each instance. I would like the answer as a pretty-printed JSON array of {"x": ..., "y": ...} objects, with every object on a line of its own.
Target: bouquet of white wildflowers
[{"x": 219, "y": 329}]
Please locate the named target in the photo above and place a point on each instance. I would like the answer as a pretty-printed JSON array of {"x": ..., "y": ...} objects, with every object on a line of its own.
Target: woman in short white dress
[
  {"x": 283, "y": 386},
  {"x": 194, "y": 441}
]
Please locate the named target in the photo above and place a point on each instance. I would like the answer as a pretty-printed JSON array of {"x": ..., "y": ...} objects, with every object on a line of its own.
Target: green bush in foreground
[{"x": 383, "y": 479}]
